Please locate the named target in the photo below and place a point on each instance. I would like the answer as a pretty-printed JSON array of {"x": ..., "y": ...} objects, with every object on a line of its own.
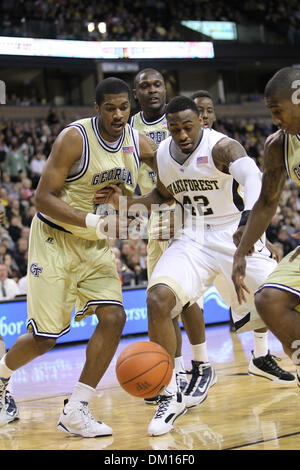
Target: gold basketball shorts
[{"x": 66, "y": 271}]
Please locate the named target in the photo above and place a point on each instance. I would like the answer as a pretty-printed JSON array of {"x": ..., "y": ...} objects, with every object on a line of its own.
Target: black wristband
[{"x": 244, "y": 218}]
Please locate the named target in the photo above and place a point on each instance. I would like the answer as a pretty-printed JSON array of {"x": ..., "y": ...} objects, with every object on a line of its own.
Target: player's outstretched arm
[{"x": 260, "y": 216}]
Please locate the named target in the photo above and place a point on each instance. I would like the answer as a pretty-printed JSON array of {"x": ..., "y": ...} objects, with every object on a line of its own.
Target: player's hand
[
  {"x": 274, "y": 250},
  {"x": 237, "y": 236},
  {"x": 108, "y": 195},
  {"x": 297, "y": 252},
  {"x": 166, "y": 225},
  {"x": 238, "y": 276}
]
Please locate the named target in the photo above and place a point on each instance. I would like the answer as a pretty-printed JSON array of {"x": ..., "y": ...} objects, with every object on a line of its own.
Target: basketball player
[
  {"x": 68, "y": 264},
  {"x": 198, "y": 168},
  {"x": 150, "y": 92},
  {"x": 277, "y": 299},
  {"x": 262, "y": 363}
]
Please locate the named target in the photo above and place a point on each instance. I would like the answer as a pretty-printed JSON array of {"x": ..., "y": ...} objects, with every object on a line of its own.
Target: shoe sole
[
  {"x": 203, "y": 398},
  {"x": 165, "y": 432},
  {"x": 264, "y": 375},
  {"x": 62, "y": 428}
]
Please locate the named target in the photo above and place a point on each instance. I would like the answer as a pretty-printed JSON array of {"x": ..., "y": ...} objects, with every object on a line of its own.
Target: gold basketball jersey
[
  {"x": 292, "y": 157},
  {"x": 99, "y": 166},
  {"x": 157, "y": 131}
]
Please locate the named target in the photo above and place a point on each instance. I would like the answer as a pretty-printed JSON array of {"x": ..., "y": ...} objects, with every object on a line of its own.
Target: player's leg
[
  {"x": 170, "y": 289},
  {"x": 277, "y": 302},
  {"x": 76, "y": 418},
  {"x": 279, "y": 310},
  {"x": 160, "y": 302},
  {"x": 202, "y": 375},
  {"x": 26, "y": 348},
  {"x": 263, "y": 363},
  {"x": 98, "y": 291}
]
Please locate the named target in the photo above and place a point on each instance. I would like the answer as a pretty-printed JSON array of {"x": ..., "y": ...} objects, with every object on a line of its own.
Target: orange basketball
[{"x": 144, "y": 369}]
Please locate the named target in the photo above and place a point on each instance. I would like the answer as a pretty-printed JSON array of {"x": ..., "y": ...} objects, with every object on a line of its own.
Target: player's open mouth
[
  {"x": 117, "y": 126},
  {"x": 186, "y": 145}
]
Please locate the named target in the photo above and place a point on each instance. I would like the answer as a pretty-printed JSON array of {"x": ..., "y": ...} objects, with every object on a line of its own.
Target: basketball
[{"x": 144, "y": 369}]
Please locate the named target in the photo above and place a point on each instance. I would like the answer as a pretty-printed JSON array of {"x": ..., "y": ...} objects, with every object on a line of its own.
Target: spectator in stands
[
  {"x": 15, "y": 164},
  {"x": 8, "y": 287},
  {"x": 36, "y": 166},
  {"x": 12, "y": 267},
  {"x": 15, "y": 227},
  {"x": 287, "y": 242}
]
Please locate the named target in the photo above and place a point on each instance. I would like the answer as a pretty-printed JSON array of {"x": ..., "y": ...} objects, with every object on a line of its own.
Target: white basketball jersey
[{"x": 210, "y": 194}]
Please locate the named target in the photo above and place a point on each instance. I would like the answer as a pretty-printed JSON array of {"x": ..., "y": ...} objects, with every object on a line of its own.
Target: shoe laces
[
  {"x": 3, "y": 385},
  {"x": 163, "y": 405},
  {"x": 271, "y": 361},
  {"x": 196, "y": 372}
]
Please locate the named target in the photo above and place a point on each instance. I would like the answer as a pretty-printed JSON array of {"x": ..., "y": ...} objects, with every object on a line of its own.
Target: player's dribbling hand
[{"x": 238, "y": 276}]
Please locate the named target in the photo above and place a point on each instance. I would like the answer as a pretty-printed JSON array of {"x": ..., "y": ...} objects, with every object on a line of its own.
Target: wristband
[
  {"x": 244, "y": 217},
  {"x": 91, "y": 220}
]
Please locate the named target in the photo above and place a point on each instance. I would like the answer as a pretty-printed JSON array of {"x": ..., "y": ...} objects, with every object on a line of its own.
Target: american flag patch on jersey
[
  {"x": 128, "y": 149},
  {"x": 202, "y": 160}
]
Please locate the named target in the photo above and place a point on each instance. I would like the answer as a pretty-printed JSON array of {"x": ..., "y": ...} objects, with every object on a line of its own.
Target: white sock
[
  {"x": 5, "y": 372},
  {"x": 179, "y": 364},
  {"x": 260, "y": 344},
  {"x": 2, "y": 348},
  {"x": 298, "y": 370},
  {"x": 82, "y": 392},
  {"x": 171, "y": 388},
  {"x": 200, "y": 352}
]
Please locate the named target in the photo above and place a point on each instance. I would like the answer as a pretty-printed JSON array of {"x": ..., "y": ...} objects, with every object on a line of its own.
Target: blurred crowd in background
[
  {"x": 24, "y": 149},
  {"x": 137, "y": 20}
]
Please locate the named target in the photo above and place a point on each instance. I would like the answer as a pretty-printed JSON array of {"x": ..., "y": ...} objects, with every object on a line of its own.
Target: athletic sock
[
  {"x": 82, "y": 392},
  {"x": 260, "y": 344},
  {"x": 200, "y": 352},
  {"x": 179, "y": 364},
  {"x": 5, "y": 372},
  {"x": 172, "y": 387}
]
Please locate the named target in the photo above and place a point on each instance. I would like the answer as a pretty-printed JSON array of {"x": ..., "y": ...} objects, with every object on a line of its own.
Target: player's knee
[
  {"x": 114, "y": 318},
  {"x": 160, "y": 301},
  {"x": 263, "y": 302},
  {"x": 43, "y": 344}
]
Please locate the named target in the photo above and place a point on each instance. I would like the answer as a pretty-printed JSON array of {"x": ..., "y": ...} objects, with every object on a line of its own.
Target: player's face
[
  {"x": 150, "y": 92},
  {"x": 113, "y": 114},
  {"x": 285, "y": 114},
  {"x": 185, "y": 129},
  {"x": 206, "y": 109}
]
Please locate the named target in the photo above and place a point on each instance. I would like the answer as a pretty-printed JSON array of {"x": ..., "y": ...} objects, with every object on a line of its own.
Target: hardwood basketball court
[{"x": 241, "y": 412}]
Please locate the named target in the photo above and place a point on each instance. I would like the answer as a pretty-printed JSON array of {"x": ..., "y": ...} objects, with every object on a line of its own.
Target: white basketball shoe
[
  {"x": 168, "y": 410},
  {"x": 77, "y": 420}
]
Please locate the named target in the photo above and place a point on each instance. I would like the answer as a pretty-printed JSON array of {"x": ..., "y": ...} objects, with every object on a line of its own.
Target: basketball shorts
[
  {"x": 286, "y": 276},
  {"x": 66, "y": 271},
  {"x": 189, "y": 268}
]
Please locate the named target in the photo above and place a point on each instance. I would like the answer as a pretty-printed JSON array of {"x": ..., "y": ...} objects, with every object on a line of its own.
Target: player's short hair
[
  {"x": 111, "y": 86},
  {"x": 181, "y": 103},
  {"x": 148, "y": 70},
  {"x": 201, "y": 94},
  {"x": 280, "y": 85}
]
